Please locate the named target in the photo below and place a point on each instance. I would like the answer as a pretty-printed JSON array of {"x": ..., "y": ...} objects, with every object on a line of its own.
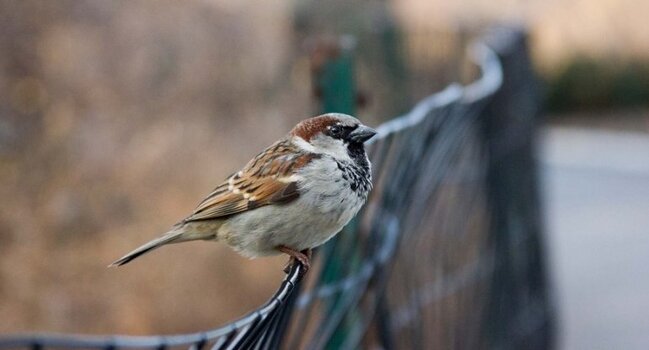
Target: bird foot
[{"x": 303, "y": 257}]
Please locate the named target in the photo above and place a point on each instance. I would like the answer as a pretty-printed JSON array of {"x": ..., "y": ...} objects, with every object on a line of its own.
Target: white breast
[{"x": 325, "y": 205}]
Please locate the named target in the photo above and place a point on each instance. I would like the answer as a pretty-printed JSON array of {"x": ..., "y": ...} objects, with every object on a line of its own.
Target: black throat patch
[{"x": 357, "y": 174}]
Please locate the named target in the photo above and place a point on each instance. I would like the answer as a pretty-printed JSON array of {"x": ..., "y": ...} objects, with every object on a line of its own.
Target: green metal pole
[
  {"x": 333, "y": 66},
  {"x": 334, "y": 76}
]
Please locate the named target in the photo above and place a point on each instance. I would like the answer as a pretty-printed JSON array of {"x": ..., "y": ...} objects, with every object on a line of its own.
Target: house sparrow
[{"x": 292, "y": 197}]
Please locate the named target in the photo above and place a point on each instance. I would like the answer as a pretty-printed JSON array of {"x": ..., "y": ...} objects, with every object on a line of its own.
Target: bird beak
[{"x": 361, "y": 134}]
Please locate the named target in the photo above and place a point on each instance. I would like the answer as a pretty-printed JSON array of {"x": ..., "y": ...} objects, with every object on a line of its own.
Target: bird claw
[{"x": 302, "y": 257}]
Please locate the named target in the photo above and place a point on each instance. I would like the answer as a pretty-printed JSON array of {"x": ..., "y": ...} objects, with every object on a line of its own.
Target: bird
[{"x": 292, "y": 197}]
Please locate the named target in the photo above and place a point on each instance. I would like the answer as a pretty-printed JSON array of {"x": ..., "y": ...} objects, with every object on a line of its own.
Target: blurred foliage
[{"x": 586, "y": 83}]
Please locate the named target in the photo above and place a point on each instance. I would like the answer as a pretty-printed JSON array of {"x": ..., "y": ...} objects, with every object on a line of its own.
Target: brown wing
[{"x": 264, "y": 180}]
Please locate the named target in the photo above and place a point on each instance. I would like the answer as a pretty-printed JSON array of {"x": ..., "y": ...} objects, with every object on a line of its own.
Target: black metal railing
[{"x": 447, "y": 254}]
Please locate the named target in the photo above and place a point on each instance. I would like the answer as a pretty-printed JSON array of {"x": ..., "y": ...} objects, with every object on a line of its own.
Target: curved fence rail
[{"x": 446, "y": 254}]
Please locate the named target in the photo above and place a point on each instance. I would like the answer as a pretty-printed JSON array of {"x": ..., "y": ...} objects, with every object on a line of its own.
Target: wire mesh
[{"x": 446, "y": 254}]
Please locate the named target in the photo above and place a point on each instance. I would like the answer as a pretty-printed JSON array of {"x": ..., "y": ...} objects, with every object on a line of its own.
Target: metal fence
[{"x": 448, "y": 252}]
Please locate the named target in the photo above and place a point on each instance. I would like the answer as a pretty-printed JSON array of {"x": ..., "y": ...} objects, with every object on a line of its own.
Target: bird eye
[{"x": 335, "y": 130}]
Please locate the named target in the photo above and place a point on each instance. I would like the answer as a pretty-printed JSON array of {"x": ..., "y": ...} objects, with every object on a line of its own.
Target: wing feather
[{"x": 267, "y": 179}]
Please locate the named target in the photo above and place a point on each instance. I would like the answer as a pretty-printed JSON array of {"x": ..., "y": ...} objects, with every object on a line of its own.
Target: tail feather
[{"x": 171, "y": 237}]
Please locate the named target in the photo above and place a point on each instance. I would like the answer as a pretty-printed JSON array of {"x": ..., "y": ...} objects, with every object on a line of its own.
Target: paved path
[{"x": 596, "y": 190}]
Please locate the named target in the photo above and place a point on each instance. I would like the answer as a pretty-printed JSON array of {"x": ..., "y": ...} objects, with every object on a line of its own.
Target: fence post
[{"x": 520, "y": 311}]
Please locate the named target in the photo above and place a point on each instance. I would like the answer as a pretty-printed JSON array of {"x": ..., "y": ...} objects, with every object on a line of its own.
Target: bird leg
[{"x": 303, "y": 257}]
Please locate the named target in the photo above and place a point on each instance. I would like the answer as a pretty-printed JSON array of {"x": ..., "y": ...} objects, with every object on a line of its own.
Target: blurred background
[{"x": 117, "y": 117}]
